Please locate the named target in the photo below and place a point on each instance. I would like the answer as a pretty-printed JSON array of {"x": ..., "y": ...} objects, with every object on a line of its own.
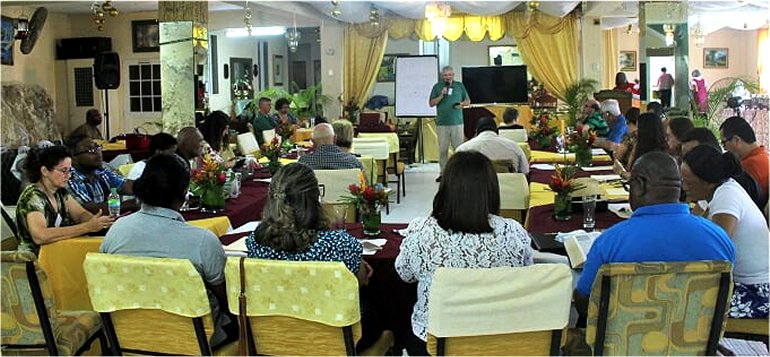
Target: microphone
[{"x": 449, "y": 89}]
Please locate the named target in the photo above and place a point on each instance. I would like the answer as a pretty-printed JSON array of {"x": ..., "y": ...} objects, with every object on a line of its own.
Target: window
[
  {"x": 144, "y": 88},
  {"x": 439, "y": 48}
]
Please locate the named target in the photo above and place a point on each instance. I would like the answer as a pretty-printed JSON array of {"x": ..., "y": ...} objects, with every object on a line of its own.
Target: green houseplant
[
  {"x": 304, "y": 103},
  {"x": 575, "y": 95},
  {"x": 717, "y": 100}
]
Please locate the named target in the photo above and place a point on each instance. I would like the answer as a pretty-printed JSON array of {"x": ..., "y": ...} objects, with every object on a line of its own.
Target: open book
[{"x": 577, "y": 247}]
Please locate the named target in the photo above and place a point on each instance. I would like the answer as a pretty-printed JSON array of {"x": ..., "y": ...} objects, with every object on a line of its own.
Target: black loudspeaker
[
  {"x": 82, "y": 47},
  {"x": 107, "y": 70}
]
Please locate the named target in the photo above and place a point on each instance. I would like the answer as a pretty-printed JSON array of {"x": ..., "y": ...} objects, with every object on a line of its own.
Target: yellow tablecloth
[
  {"x": 283, "y": 161},
  {"x": 302, "y": 134},
  {"x": 527, "y": 151},
  {"x": 539, "y": 156},
  {"x": 118, "y": 145},
  {"x": 541, "y": 195},
  {"x": 63, "y": 263},
  {"x": 391, "y": 138}
]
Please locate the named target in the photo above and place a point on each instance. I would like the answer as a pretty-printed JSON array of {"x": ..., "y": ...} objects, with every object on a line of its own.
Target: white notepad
[
  {"x": 238, "y": 246},
  {"x": 596, "y": 168}
]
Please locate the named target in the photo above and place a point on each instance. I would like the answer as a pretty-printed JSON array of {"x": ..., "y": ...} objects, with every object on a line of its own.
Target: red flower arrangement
[
  {"x": 563, "y": 180},
  {"x": 540, "y": 129},
  {"x": 367, "y": 198},
  {"x": 582, "y": 138},
  {"x": 272, "y": 151},
  {"x": 211, "y": 172}
]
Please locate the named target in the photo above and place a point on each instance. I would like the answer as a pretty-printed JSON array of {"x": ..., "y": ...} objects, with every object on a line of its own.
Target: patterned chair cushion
[
  {"x": 657, "y": 308},
  {"x": 75, "y": 328},
  {"x": 20, "y": 321}
]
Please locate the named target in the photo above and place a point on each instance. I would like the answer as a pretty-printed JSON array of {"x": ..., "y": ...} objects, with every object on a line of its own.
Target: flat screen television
[{"x": 496, "y": 84}]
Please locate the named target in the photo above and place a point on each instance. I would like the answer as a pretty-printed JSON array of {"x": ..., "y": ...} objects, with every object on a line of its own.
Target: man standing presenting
[
  {"x": 449, "y": 97},
  {"x": 665, "y": 83}
]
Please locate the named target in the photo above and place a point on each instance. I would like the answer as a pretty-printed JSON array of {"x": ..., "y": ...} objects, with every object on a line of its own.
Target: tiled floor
[{"x": 421, "y": 186}]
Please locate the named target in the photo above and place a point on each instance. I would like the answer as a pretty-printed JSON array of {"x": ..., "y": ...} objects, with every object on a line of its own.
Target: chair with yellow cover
[
  {"x": 296, "y": 308},
  {"x": 516, "y": 135},
  {"x": 499, "y": 311},
  {"x": 393, "y": 165},
  {"x": 10, "y": 232},
  {"x": 151, "y": 305},
  {"x": 30, "y": 321},
  {"x": 335, "y": 187},
  {"x": 659, "y": 308},
  {"x": 514, "y": 196},
  {"x": 748, "y": 329},
  {"x": 247, "y": 143}
]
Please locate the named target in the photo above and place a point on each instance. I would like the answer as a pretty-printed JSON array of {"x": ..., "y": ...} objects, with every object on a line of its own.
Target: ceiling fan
[{"x": 28, "y": 30}]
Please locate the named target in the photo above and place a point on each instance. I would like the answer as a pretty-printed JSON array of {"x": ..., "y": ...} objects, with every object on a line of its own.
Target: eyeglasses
[
  {"x": 64, "y": 170},
  {"x": 93, "y": 149},
  {"x": 726, "y": 140}
]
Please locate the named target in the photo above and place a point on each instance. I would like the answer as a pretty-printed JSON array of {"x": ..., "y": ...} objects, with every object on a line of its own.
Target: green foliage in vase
[{"x": 575, "y": 95}]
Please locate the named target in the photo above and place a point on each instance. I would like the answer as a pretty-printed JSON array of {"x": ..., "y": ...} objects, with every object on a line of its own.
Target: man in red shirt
[{"x": 738, "y": 137}]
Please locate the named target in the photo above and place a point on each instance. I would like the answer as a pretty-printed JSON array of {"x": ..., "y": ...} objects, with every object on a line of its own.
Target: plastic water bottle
[{"x": 113, "y": 202}]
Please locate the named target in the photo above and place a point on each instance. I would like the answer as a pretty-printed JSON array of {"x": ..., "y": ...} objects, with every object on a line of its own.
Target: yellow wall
[
  {"x": 742, "y": 54},
  {"x": 40, "y": 66}
]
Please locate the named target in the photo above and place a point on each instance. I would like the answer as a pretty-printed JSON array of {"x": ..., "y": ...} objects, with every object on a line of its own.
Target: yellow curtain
[
  {"x": 763, "y": 60},
  {"x": 548, "y": 45},
  {"x": 363, "y": 57},
  {"x": 610, "y": 58},
  {"x": 400, "y": 27}
]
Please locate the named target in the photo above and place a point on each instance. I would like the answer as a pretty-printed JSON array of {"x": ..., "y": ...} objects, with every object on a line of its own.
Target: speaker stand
[{"x": 106, "y": 114}]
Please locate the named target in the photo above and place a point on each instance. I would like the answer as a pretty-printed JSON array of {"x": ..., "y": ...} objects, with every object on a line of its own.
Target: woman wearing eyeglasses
[
  {"x": 282, "y": 112},
  {"x": 45, "y": 212}
]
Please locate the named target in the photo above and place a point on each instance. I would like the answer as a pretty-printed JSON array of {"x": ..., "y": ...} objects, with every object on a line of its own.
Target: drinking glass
[
  {"x": 340, "y": 213},
  {"x": 589, "y": 211}
]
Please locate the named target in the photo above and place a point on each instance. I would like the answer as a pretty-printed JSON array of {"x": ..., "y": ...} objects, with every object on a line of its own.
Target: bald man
[
  {"x": 660, "y": 230},
  {"x": 326, "y": 155},
  {"x": 189, "y": 142}
]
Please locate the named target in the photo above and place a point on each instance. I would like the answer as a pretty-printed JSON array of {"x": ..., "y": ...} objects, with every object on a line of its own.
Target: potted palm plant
[{"x": 575, "y": 95}]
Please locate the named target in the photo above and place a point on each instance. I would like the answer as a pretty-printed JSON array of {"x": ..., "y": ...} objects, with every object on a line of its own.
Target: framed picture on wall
[
  {"x": 715, "y": 58},
  {"x": 278, "y": 70},
  {"x": 627, "y": 61},
  {"x": 7, "y": 41},
  {"x": 504, "y": 56},
  {"x": 387, "y": 71},
  {"x": 145, "y": 35}
]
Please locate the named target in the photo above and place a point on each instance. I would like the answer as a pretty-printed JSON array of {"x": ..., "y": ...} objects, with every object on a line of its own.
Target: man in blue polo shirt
[
  {"x": 661, "y": 228},
  {"x": 449, "y": 97}
]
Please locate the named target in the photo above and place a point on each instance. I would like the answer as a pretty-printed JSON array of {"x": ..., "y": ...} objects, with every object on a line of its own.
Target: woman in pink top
[{"x": 699, "y": 91}]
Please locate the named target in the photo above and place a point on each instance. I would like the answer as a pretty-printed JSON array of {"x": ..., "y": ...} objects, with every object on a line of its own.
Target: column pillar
[
  {"x": 183, "y": 50},
  {"x": 591, "y": 40}
]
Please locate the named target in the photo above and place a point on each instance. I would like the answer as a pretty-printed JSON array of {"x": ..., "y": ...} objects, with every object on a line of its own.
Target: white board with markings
[{"x": 415, "y": 77}]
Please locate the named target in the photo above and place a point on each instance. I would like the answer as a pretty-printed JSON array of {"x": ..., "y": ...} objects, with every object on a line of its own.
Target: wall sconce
[{"x": 669, "y": 30}]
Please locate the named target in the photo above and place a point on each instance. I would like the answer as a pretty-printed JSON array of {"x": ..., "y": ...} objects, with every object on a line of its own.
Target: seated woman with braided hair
[{"x": 294, "y": 227}]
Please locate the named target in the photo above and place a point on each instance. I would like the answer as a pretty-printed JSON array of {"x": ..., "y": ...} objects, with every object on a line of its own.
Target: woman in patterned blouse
[
  {"x": 459, "y": 233},
  {"x": 45, "y": 212},
  {"x": 295, "y": 227}
]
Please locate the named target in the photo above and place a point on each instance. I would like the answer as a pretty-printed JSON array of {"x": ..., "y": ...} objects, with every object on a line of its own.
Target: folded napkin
[
  {"x": 372, "y": 246},
  {"x": 544, "y": 167},
  {"x": 622, "y": 210},
  {"x": 606, "y": 178},
  {"x": 562, "y": 236}
]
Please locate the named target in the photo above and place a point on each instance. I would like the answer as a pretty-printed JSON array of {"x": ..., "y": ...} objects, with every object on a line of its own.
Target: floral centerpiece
[
  {"x": 563, "y": 184},
  {"x": 208, "y": 182},
  {"x": 368, "y": 200},
  {"x": 272, "y": 151},
  {"x": 541, "y": 131},
  {"x": 580, "y": 143},
  {"x": 285, "y": 130}
]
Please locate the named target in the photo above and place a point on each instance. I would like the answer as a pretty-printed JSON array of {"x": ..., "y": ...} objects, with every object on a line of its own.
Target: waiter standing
[{"x": 449, "y": 96}]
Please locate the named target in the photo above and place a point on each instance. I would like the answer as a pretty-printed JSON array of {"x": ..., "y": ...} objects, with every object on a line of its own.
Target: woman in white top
[
  {"x": 712, "y": 176},
  {"x": 463, "y": 231}
]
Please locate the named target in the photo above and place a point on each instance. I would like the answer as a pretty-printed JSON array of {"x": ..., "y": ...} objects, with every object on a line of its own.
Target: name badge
[
  {"x": 57, "y": 223},
  {"x": 449, "y": 91}
]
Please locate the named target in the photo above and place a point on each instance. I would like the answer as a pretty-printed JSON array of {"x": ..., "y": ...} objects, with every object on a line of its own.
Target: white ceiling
[{"x": 738, "y": 14}]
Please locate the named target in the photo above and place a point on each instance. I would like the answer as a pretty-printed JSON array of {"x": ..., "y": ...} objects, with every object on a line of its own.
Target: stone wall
[{"x": 27, "y": 116}]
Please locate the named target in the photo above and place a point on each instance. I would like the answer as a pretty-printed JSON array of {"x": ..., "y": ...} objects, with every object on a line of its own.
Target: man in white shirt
[{"x": 496, "y": 148}]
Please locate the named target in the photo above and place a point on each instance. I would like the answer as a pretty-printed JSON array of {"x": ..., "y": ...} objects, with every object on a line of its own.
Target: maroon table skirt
[
  {"x": 392, "y": 298},
  {"x": 246, "y": 208},
  {"x": 541, "y": 220}
]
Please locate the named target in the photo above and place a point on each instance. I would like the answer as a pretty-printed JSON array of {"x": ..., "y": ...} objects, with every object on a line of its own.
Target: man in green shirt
[
  {"x": 592, "y": 117},
  {"x": 449, "y": 97},
  {"x": 263, "y": 120}
]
